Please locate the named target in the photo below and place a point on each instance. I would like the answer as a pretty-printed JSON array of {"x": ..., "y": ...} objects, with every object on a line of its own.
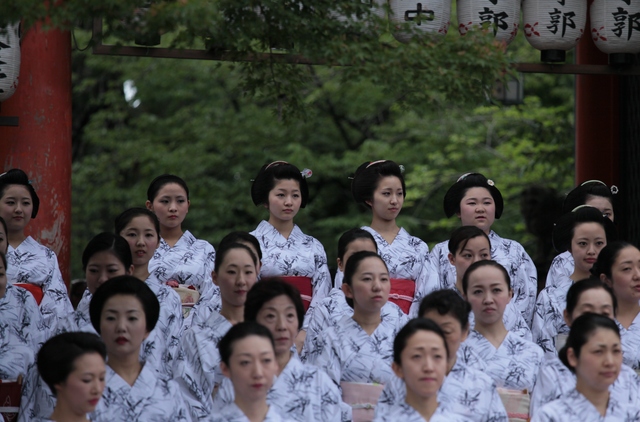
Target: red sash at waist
[
  {"x": 10, "y": 399},
  {"x": 303, "y": 284},
  {"x": 36, "y": 291},
  {"x": 402, "y": 293}
]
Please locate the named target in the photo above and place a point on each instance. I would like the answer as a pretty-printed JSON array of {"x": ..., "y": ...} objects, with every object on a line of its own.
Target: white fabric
[
  {"x": 232, "y": 413},
  {"x": 630, "y": 338},
  {"x": 513, "y": 365},
  {"x": 573, "y": 406},
  {"x": 299, "y": 255},
  {"x": 548, "y": 320},
  {"x": 20, "y": 315},
  {"x": 405, "y": 413},
  {"x": 16, "y": 357},
  {"x": 561, "y": 267},
  {"x": 36, "y": 264}
]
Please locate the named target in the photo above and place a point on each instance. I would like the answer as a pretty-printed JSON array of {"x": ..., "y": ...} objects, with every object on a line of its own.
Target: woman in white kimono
[
  {"x": 594, "y": 354},
  {"x": 555, "y": 379},
  {"x": 380, "y": 186},
  {"x": 469, "y": 244},
  {"x": 357, "y": 352},
  {"x": 73, "y": 366},
  {"x": 180, "y": 259},
  {"x": 124, "y": 311},
  {"x": 583, "y": 232},
  {"x": 300, "y": 392},
  {"x": 478, "y": 202},
  {"x": 466, "y": 391},
  {"x": 198, "y": 369},
  {"x": 287, "y": 252},
  {"x": 29, "y": 261},
  {"x": 511, "y": 361},
  {"x": 593, "y": 193},
  {"x": 247, "y": 353},
  {"x": 618, "y": 266}
]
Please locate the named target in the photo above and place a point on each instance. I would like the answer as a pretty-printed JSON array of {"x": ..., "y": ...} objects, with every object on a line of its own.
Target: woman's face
[
  {"x": 586, "y": 244},
  {"x": 252, "y": 367},
  {"x": 600, "y": 360},
  {"x": 4, "y": 242},
  {"x": 83, "y": 388},
  {"x": 170, "y": 205},
  {"x": 280, "y": 317},
  {"x": 370, "y": 285},
  {"x": 357, "y": 245},
  {"x": 603, "y": 204},
  {"x": 625, "y": 274},
  {"x": 101, "y": 267},
  {"x": 488, "y": 294},
  {"x": 424, "y": 364},
  {"x": 123, "y": 326},
  {"x": 235, "y": 277},
  {"x": 284, "y": 200},
  {"x": 477, "y": 208},
  {"x": 450, "y": 325},
  {"x": 476, "y": 249},
  {"x": 3, "y": 279},
  {"x": 143, "y": 239},
  {"x": 16, "y": 207},
  {"x": 597, "y": 301},
  {"x": 388, "y": 198}
]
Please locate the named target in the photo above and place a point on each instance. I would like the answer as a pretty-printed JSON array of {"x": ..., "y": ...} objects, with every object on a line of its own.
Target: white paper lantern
[
  {"x": 9, "y": 61},
  {"x": 503, "y": 16},
  {"x": 615, "y": 27},
  {"x": 554, "y": 26},
  {"x": 429, "y": 16}
]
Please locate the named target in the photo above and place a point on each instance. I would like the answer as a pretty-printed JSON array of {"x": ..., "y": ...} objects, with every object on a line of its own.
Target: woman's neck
[
  {"x": 283, "y": 360},
  {"x": 627, "y": 311},
  {"x": 16, "y": 238},
  {"x": 388, "y": 229},
  {"x": 579, "y": 274},
  {"x": 426, "y": 407},
  {"x": 171, "y": 235},
  {"x": 494, "y": 333},
  {"x": 255, "y": 411},
  {"x": 64, "y": 413},
  {"x": 284, "y": 227},
  {"x": 600, "y": 399},
  {"x": 141, "y": 272},
  {"x": 128, "y": 368},
  {"x": 233, "y": 314},
  {"x": 369, "y": 321}
]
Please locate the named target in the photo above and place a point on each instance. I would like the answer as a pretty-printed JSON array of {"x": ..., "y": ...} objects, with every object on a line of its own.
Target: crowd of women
[{"x": 169, "y": 329}]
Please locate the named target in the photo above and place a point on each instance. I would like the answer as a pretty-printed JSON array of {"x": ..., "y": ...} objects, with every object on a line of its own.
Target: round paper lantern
[
  {"x": 554, "y": 26},
  {"x": 503, "y": 16},
  {"x": 429, "y": 16},
  {"x": 9, "y": 61},
  {"x": 615, "y": 27}
]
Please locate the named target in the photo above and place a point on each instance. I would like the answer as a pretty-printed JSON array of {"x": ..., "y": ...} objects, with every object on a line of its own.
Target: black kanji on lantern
[
  {"x": 567, "y": 21},
  {"x": 625, "y": 20},
  {"x": 419, "y": 13},
  {"x": 498, "y": 20}
]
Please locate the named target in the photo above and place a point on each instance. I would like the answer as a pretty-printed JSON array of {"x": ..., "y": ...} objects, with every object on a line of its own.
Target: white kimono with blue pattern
[
  {"x": 19, "y": 314},
  {"x": 299, "y": 255},
  {"x": 301, "y": 393},
  {"x": 561, "y": 267},
  {"x": 405, "y": 413},
  {"x": 511, "y": 255},
  {"x": 232, "y": 413},
  {"x": 151, "y": 398},
  {"x": 555, "y": 380},
  {"x": 514, "y": 365},
  {"x": 573, "y": 406},
  {"x": 36, "y": 264},
  {"x": 407, "y": 257},
  {"x": 548, "y": 320},
  {"x": 16, "y": 357},
  {"x": 630, "y": 338}
]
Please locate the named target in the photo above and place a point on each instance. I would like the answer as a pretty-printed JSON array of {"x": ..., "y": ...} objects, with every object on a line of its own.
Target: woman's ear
[
  {"x": 397, "y": 369},
  {"x": 567, "y": 318},
  {"x": 214, "y": 277},
  {"x": 225, "y": 370},
  {"x": 452, "y": 259},
  {"x": 605, "y": 280},
  {"x": 149, "y": 205},
  {"x": 131, "y": 268},
  {"x": 572, "y": 358},
  {"x": 339, "y": 261},
  {"x": 346, "y": 289}
]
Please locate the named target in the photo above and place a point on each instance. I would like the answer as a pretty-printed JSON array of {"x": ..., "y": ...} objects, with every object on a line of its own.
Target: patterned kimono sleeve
[
  {"x": 326, "y": 355},
  {"x": 426, "y": 282},
  {"x": 37, "y": 400},
  {"x": 31, "y": 321},
  {"x": 316, "y": 317},
  {"x": 497, "y": 412},
  {"x": 321, "y": 280},
  {"x": 543, "y": 326},
  {"x": 172, "y": 332},
  {"x": 332, "y": 407},
  {"x": 531, "y": 280},
  {"x": 546, "y": 390},
  {"x": 55, "y": 300},
  {"x": 561, "y": 267},
  {"x": 178, "y": 407}
]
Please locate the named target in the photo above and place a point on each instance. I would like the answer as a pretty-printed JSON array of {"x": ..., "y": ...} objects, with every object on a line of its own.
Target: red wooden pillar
[
  {"x": 41, "y": 144},
  {"x": 597, "y": 118}
]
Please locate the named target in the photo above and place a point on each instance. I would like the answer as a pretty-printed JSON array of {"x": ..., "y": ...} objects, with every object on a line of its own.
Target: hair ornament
[
  {"x": 276, "y": 163},
  {"x": 306, "y": 173},
  {"x": 463, "y": 177},
  {"x": 490, "y": 182},
  {"x": 581, "y": 206},
  {"x": 614, "y": 190},
  {"x": 375, "y": 162},
  {"x": 401, "y": 168},
  {"x": 593, "y": 181},
  {"x": 3, "y": 174}
]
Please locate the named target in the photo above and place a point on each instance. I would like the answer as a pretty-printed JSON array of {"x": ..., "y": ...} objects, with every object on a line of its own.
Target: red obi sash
[
  {"x": 10, "y": 399},
  {"x": 303, "y": 284},
  {"x": 362, "y": 398},
  {"x": 402, "y": 293},
  {"x": 36, "y": 291}
]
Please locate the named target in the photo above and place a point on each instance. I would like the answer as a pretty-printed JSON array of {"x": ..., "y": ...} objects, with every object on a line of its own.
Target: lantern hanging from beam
[
  {"x": 554, "y": 26},
  {"x": 427, "y": 16},
  {"x": 9, "y": 60},
  {"x": 502, "y": 16},
  {"x": 615, "y": 28}
]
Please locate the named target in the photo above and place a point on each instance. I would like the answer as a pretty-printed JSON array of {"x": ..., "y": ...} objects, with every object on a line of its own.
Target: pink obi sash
[
  {"x": 362, "y": 397},
  {"x": 189, "y": 296},
  {"x": 516, "y": 403},
  {"x": 303, "y": 284},
  {"x": 402, "y": 293},
  {"x": 36, "y": 291},
  {"x": 10, "y": 400}
]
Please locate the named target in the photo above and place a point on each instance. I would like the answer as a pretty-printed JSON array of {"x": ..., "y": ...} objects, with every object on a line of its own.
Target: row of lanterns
[
  {"x": 9, "y": 60},
  {"x": 551, "y": 26}
]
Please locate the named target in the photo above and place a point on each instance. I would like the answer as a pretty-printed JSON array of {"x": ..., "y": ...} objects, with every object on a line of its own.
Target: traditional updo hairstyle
[
  {"x": 268, "y": 289},
  {"x": 579, "y": 287},
  {"x": 125, "y": 218},
  {"x": 350, "y": 236},
  {"x": 484, "y": 263},
  {"x": 365, "y": 180},
  {"x": 412, "y": 327},
  {"x": 266, "y": 179},
  {"x": 565, "y": 227},
  {"x": 241, "y": 237},
  {"x": 456, "y": 192},
  {"x": 352, "y": 266},
  {"x": 19, "y": 177},
  {"x": 446, "y": 302},
  {"x": 580, "y": 195},
  {"x": 581, "y": 330},
  {"x": 127, "y": 285},
  {"x": 607, "y": 258},
  {"x": 224, "y": 250},
  {"x": 57, "y": 356},
  {"x": 111, "y": 242},
  {"x": 462, "y": 235},
  {"x": 241, "y": 331},
  {"x": 162, "y": 180}
]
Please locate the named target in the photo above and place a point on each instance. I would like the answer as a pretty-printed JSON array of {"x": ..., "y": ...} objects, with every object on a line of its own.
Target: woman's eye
[
  {"x": 133, "y": 318},
  {"x": 497, "y": 290}
]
